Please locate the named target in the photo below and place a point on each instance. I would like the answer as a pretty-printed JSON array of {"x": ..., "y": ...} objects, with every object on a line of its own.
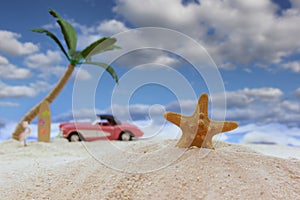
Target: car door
[
  {"x": 94, "y": 131},
  {"x": 105, "y": 130}
]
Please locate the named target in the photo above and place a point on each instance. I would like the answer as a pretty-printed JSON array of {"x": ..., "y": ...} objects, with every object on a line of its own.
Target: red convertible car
[{"x": 106, "y": 128}]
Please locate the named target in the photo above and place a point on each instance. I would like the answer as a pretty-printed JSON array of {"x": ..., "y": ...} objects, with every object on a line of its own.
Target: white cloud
[
  {"x": 245, "y": 97},
  {"x": 15, "y": 91},
  {"x": 41, "y": 61},
  {"x": 136, "y": 111},
  {"x": 138, "y": 57},
  {"x": 274, "y": 133},
  {"x": 292, "y": 106},
  {"x": 78, "y": 115},
  {"x": 9, "y": 71},
  {"x": 111, "y": 27},
  {"x": 48, "y": 63},
  {"x": 293, "y": 66},
  {"x": 264, "y": 94},
  {"x": 240, "y": 32},
  {"x": 264, "y": 111},
  {"x": 295, "y": 4},
  {"x": 3, "y": 61},
  {"x": 228, "y": 66},
  {"x": 297, "y": 92},
  {"x": 8, "y": 104},
  {"x": 166, "y": 60},
  {"x": 82, "y": 74},
  {"x": 57, "y": 71},
  {"x": 11, "y": 45},
  {"x": 184, "y": 106},
  {"x": 9, "y": 91},
  {"x": 154, "y": 13},
  {"x": 132, "y": 112}
]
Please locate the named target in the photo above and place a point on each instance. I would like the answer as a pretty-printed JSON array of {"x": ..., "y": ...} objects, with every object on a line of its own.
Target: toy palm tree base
[
  {"x": 44, "y": 122},
  {"x": 198, "y": 129}
]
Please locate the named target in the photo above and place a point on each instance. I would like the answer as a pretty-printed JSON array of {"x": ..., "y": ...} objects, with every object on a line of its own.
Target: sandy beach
[{"x": 147, "y": 170}]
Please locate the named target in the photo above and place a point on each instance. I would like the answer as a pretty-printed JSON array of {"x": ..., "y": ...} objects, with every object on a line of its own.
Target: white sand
[{"x": 145, "y": 170}]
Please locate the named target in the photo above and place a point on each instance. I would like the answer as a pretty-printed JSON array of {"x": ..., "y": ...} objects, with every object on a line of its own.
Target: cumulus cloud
[
  {"x": 42, "y": 61},
  {"x": 293, "y": 66},
  {"x": 49, "y": 64},
  {"x": 11, "y": 91},
  {"x": 295, "y": 4},
  {"x": 111, "y": 27},
  {"x": 10, "y": 71},
  {"x": 297, "y": 92},
  {"x": 143, "y": 56},
  {"x": 8, "y": 104},
  {"x": 82, "y": 74},
  {"x": 11, "y": 45},
  {"x": 234, "y": 32},
  {"x": 137, "y": 111},
  {"x": 154, "y": 13},
  {"x": 78, "y": 115},
  {"x": 134, "y": 112},
  {"x": 246, "y": 96},
  {"x": 273, "y": 133},
  {"x": 166, "y": 60},
  {"x": 281, "y": 111},
  {"x": 292, "y": 106},
  {"x": 183, "y": 106}
]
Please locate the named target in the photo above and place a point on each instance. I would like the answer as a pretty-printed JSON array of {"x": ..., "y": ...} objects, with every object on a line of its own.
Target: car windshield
[
  {"x": 118, "y": 121},
  {"x": 109, "y": 119}
]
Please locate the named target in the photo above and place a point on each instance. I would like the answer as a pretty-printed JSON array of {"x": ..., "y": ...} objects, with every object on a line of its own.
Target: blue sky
[{"x": 254, "y": 44}]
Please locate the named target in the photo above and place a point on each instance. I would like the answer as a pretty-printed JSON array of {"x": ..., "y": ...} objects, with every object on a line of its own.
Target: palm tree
[{"x": 74, "y": 57}]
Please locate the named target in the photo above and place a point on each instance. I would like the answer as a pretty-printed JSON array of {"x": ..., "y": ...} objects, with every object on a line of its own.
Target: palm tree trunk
[{"x": 31, "y": 114}]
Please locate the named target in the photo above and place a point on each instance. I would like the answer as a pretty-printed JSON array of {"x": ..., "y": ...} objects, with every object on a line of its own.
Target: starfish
[{"x": 198, "y": 129}]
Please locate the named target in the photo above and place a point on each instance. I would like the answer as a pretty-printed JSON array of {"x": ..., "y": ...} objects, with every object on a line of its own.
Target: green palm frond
[
  {"x": 53, "y": 37},
  {"x": 107, "y": 67},
  {"x": 67, "y": 30},
  {"x": 99, "y": 46},
  {"x": 85, "y": 52},
  {"x": 54, "y": 14},
  {"x": 110, "y": 48}
]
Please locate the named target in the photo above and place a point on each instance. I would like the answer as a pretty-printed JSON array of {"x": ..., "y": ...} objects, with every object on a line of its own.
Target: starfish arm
[
  {"x": 222, "y": 126},
  {"x": 202, "y": 125},
  {"x": 202, "y": 106},
  {"x": 175, "y": 118}
]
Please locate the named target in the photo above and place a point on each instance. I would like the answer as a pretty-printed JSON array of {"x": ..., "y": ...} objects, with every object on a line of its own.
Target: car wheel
[
  {"x": 74, "y": 138},
  {"x": 125, "y": 136}
]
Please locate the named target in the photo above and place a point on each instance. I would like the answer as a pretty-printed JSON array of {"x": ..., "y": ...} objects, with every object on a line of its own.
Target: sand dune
[{"x": 144, "y": 170}]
